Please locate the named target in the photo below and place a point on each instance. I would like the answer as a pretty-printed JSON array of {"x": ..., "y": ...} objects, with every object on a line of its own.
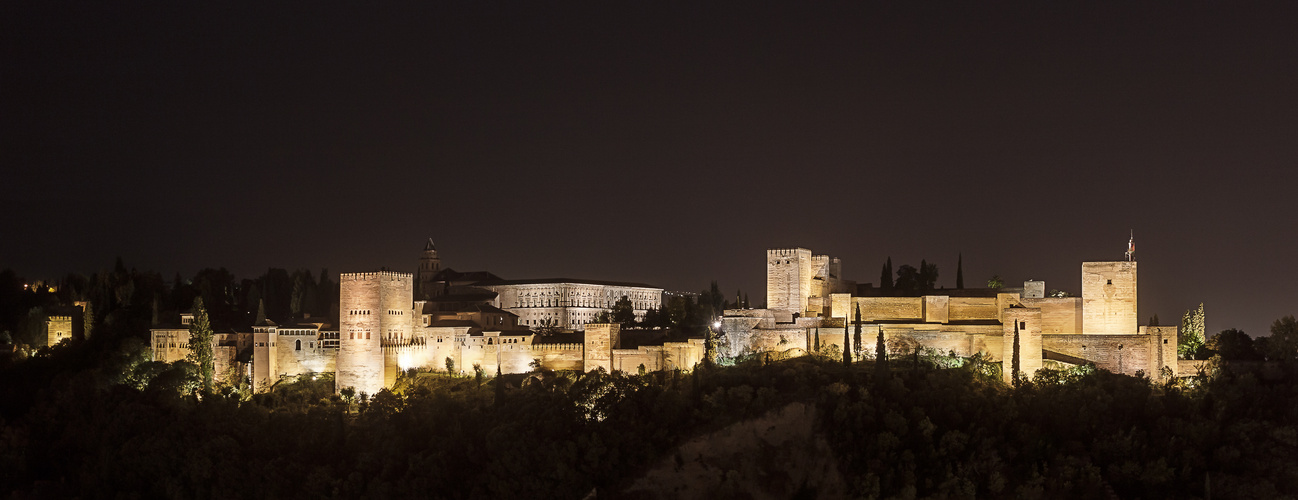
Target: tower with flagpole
[{"x": 1131, "y": 245}]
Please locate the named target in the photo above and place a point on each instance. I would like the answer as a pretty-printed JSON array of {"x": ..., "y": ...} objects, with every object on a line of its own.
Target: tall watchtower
[
  {"x": 372, "y": 307},
  {"x": 1109, "y": 297},
  {"x": 429, "y": 265},
  {"x": 788, "y": 279}
]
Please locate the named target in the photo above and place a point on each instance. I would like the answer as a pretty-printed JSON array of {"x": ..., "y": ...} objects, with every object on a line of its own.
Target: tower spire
[{"x": 1131, "y": 245}]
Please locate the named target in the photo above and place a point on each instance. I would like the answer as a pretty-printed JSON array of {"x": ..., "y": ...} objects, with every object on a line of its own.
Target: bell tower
[{"x": 429, "y": 265}]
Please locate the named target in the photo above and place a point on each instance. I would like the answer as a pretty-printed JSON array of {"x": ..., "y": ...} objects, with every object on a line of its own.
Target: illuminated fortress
[
  {"x": 808, "y": 300},
  {"x": 467, "y": 322}
]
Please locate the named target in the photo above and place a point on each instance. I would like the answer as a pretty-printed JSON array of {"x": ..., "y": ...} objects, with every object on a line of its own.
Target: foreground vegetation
[{"x": 125, "y": 426}]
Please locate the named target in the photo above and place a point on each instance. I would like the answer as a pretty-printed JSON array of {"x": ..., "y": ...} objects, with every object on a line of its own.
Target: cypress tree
[
  {"x": 1015, "y": 364},
  {"x": 88, "y": 320},
  {"x": 847, "y": 345},
  {"x": 885, "y": 280},
  {"x": 880, "y": 355},
  {"x": 500, "y": 387},
  {"x": 856, "y": 337},
  {"x": 200, "y": 343},
  {"x": 261, "y": 312},
  {"x": 817, "y": 346},
  {"x": 959, "y": 272}
]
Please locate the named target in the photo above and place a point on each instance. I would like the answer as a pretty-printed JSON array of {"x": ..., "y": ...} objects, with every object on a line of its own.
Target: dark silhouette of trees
[
  {"x": 885, "y": 277},
  {"x": 1282, "y": 345},
  {"x": 907, "y": 280},
  {"x": 1233, "y": 345},
  {"x": 623, "y": 312}
]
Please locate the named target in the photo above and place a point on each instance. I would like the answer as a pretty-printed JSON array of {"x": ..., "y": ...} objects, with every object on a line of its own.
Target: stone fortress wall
[
  {"x": 383, "y": 330},
  {"x": 1100, "y": 327}
]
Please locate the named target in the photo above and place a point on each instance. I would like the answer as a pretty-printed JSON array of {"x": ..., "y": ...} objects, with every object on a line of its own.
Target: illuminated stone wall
[
  {"x": 1029, "y": 332},
  {"x": 570, "y": 305},
  {"x": 57, "y": 329},
  {"x": 937, "y": 308},
  {"x": 1149, "y": 351},
  {"x": 890, "y": 308},
  {"x": 265, "y": 359},
  {"x": 788, "y": 279},
  {"x": 972, "y": 309},
  {"x": 170, "y": 344},
  {"x": 372, "y": 307},
  {"x": 1116, "y": 353},
  {"x": 1061, "y": 315},
  {"x": 1109, "y": 298},
  {"x": 300, "y": 350},
  {"x": 601, "y": 338},
  {"x": 560, "y": 356}
]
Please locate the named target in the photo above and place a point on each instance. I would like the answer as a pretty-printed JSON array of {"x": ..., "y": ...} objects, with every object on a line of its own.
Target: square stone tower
[
  {"x": 788, "y": 279},
  {"x": 372, "y": 307},
  {"x": 601, "y": 339},
  {"x": 1109, "y": 298},
  {"x": 57, "y": 328},
  {"x": 1027, "y": 322}
]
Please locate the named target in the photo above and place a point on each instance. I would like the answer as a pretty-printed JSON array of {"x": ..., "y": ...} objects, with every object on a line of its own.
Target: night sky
[{"x": 661, "y": 142}]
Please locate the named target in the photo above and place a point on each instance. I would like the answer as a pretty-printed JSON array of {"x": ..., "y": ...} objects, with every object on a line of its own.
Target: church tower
[{"x": 429, "y": 265}]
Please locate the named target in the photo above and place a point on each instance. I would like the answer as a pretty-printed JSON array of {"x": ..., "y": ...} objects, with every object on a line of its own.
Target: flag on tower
[{"x": 1131, "y": 245}]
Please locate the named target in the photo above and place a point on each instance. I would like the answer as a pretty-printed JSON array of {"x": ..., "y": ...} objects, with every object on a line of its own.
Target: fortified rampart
[{"x": 1099, "y": 327}]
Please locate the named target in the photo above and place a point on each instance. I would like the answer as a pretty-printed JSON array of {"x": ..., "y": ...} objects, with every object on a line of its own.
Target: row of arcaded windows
[
  {"x": 356, "y": 335},
  {"x": 359, "y": 312}
]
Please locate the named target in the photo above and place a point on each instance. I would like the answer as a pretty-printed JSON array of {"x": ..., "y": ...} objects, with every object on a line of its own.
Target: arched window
[
  {"x": 298, "y": 347},
  {"x": 367, "y": 335}
]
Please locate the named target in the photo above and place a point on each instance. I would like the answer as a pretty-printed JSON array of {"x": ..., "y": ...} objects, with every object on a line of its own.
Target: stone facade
[
  {"x": 568, "y": 303},
  {"x": 1109, "y": 297},
  {"x": 599, "y": 343}
]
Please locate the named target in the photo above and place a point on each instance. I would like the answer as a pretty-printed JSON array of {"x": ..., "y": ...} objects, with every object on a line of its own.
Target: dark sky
[{"x": 660, "y": 141}]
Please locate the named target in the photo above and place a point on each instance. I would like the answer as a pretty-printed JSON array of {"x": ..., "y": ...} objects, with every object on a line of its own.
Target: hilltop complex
[
  {"x": 444, "y": 320},
  {"x": 807, "y": 300}
]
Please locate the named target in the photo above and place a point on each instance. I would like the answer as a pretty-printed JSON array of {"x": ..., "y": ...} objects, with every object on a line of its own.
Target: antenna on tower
[{"x": 1131, "y": 246}]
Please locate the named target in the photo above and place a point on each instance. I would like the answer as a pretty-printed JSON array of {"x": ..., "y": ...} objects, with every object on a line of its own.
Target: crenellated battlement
[
  {"x": 785, "y": 252},
  {"x": 376, "y": 274},
  {"x": 557, "y": 347}
]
